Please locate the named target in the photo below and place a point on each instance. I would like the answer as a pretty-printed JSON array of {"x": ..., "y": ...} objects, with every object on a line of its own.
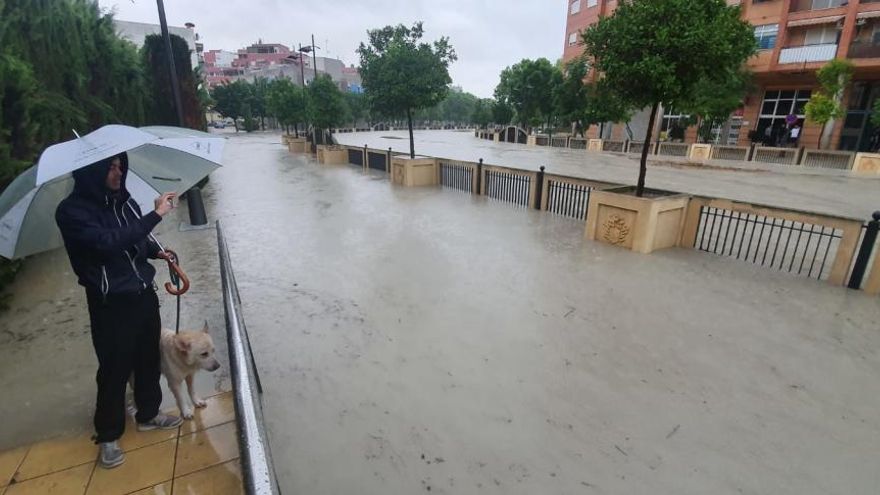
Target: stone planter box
[
  {"x": 655, "y": 221},
  {"x": 866, "y": 164},
  {"x": 532, "y": 140},
  {"x": 700, "y": 152},
  {"x": 332, "y": 155},
  {"x": 594, "y": 145},
  {"x": 414, "y": 172},
  {"x": 297, "y": 145}
]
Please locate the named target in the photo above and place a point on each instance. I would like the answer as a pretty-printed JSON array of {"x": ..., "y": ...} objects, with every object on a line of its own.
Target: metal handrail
[{"x": 256, "y": 459}]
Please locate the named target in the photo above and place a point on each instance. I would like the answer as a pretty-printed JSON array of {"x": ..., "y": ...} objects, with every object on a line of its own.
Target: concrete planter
[
  {"x": 646, "y": 224},
  {"x": 297, "y": 145},
  {"x": 594, "y": 145},
  {"x": 332, "y": 155},
  {"x": 866, "y": 164},
  {"x": 532, "y": 140},
  {"x": 414, "y": 172},
  {"x": 700, "y": 152}
]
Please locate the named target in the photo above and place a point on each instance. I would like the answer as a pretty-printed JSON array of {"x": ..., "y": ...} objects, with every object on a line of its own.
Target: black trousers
[{"x": 125, "y": 333}]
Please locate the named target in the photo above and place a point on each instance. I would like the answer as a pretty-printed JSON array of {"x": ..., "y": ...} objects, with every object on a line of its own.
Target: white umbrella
[{"x": 160, "y": 160}]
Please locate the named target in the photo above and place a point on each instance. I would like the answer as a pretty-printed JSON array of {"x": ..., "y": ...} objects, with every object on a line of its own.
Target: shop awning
[{"x": 815, "y": 21}]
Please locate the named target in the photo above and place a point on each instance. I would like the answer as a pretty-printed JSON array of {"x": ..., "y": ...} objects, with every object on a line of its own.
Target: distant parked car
[{"x": 219, "y": 124}]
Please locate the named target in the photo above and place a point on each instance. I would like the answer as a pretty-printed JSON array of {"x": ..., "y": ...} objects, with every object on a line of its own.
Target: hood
[{"x": 90, "y": 181}]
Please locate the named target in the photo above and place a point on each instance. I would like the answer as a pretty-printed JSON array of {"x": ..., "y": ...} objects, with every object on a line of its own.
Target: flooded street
[
  {"x": 415, "y": 340},
  {"x": 795, "y": 187}
]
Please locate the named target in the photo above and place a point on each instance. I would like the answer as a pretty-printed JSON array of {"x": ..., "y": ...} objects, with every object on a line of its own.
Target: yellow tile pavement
[
  {"x": 56, "y": 455},
  {"x": 206, "y": 448},
  {"x": 222, "y": 479},
  {"x": 70, "y": 481},
  {"x": 9, "y": 462},
  {"x": 220, "y": 409},
  {"x": 143, "y": 468},
  {"x": 163, "y": 489},
  {"x": 133, "y": 439}
]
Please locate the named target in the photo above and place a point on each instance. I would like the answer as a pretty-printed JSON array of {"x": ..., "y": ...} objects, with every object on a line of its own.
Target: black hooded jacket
[{"x": 105, "y": 233}]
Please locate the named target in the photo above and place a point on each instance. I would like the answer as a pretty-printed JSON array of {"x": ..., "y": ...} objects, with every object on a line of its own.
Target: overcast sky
[{"x": 487, "y": 35}]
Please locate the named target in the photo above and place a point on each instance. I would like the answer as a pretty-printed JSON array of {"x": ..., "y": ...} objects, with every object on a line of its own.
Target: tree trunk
[
  {"x": 643, "y": 164},
  {"x": 235, "y": 123},
  {"x": 822, "y": 135},
  {"x": 262, "y": 123},
  {"x": 412, "y": 145},
  {"x": 296, "y": 128}
]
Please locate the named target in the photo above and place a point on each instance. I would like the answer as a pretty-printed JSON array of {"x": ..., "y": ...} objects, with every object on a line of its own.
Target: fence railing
[
  {"x": 458, "y": 175},
  {"x": 506, "y": 184},
  {"x": 378, "y": 160},
  {"x": 568, "y": 196},
  {"x": 673, "y": 149},
  {"x": 782, "y": 156},
  {"x": 356, "y": 156},
  {"x": 253, "y": 441},
  {"x": 559, "y": 142},
  {"x": 542, "y": 140},
  {"x": 724, "y": 152},
  {"x": 814, "y": 246},
  {"x": 639, "y": 146},
  {"x": 613, "y": 146},
  {"x": 838, "y": 160},
  {"x": 577, "y": 143}
]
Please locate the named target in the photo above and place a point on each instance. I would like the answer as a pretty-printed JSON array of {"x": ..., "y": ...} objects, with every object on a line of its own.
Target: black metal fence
[
  {"x": 356, "y": 157},
  {"x": 508, "y": 186},
  {"x": 376, "y": 161},
  {"x": 794, "y": 247},
  {"x": 457, "y": 176},
  {"x": 568, "y": 199}
]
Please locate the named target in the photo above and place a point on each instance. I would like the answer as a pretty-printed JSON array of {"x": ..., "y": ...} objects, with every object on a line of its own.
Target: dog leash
[{"x": 177, "y": 276}]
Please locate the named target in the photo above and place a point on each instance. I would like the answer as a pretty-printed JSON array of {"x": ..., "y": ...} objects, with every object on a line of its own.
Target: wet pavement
[
  {"x": 799, "y": 188},
  {"x": 415, "y": 340}
]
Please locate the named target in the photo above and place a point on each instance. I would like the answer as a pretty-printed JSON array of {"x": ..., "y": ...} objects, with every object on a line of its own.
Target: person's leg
[
  {"x": 114, "y": 345},
  {"x": 147, "y": 390}
]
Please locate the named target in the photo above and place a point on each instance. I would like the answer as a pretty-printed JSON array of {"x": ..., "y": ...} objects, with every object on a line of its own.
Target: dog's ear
[
  {"x": 205, "y": 328},
  {"x": 182, "y": 345}
]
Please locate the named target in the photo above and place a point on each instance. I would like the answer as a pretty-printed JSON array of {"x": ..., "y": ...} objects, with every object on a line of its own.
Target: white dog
[{"x": 184, "y": 354}]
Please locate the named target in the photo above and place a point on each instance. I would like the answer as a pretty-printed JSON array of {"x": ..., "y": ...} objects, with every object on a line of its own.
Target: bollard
[
  {"x": 388, "y": 161},
  {"x": 539, "y": 188},
  {"x": 366, "y": 158},
  {"x": 196, "y": 207},
  {"x": 858, "y": 272}
]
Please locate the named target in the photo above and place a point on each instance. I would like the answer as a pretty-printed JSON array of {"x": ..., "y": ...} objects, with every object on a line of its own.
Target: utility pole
[
  {"x": 314, "y": 57},
  {"x": 302, "y": 67}
]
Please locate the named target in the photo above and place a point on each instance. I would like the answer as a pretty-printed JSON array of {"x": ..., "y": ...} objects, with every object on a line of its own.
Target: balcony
[
  {"x": 859, "y": 49},
  {"x": 808, "y": 53},
  {"x": 806, "y": 5}
]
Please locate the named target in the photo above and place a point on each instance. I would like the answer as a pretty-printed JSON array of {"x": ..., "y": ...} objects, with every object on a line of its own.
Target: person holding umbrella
[{"x": 108, "y": 243}]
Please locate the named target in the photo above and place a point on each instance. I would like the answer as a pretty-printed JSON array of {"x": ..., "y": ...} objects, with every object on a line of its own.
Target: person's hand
[
  {"x": 165, "y": 203},
  {"x": 166, "y": 255}
]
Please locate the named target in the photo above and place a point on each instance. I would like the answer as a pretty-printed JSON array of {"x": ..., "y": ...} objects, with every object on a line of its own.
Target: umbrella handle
[{"x": 174, "y": 267}]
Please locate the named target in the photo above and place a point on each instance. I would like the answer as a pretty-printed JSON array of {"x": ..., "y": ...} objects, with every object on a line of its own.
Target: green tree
[
  {"x": 714, "y": 100},
  {"x": 401, "y": 73},
  {"x": 326, "y": 103},
  {"x": 358, "y": 108},
  {"x": 482, "y": 113},
  {"x": 232, "y": 99},
  {"x": 657, "y": 51},
  {"x": 259, "y": 99},
  {"x": 502, "y": 112},
  {"x": 825, "y": 105},
  {"x": 159, "y": 81},
  {"x": 572, "y": 94},
  {"x": 458, "y": 106},
  {"x": 529, "y": 88},
  {"x": 603, "y": 105},
  {"x": 287, "y": 103}
]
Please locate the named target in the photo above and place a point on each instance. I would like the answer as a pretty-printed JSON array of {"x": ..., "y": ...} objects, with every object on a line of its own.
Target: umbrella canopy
[{"x": 160, "y": 160}]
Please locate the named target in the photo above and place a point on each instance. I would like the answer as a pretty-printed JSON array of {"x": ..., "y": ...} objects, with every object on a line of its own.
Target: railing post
[
  {"x": 539, "y": 188},
  {"x": 479, "y": 185},
  {"x": 365, "y": 162},
  {"x": 864, "y": 256},
  {"x": 388, "y": 161}
]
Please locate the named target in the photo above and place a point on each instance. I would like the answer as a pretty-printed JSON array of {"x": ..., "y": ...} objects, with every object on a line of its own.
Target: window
[
  {"x": 591, "y": 3},
  {"x": 572, "y": 38},
  {"x": 777, "y": 105},
  {"x": 822, "y": 35},
  {"x": 766, "y": 36},
  {"x": 826, "y": 4},
  {"x": 575, "y": 7}
]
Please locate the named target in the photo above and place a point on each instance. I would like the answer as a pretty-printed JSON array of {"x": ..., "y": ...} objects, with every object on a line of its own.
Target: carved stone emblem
[{"x": 616, "y": 230}]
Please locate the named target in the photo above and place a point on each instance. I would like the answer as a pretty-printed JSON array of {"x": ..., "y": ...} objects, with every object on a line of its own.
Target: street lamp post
[{"x": 194, "y": 195}]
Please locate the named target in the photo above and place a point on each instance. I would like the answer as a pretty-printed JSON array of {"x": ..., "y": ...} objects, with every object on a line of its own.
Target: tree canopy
[
  {"x": 159, "y": 81},
  {"x": 659, "y": 51},
  {"x": 401, "y": 73},
  {"x": 326, "y": 103},
  {"x": 287, "y": 103},
  {"x": 528, "y": 87},
  {"x": 233, "y": 100}
]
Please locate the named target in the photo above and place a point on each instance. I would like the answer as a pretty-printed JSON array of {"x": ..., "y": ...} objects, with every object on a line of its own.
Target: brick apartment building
[{"x": 795, "y": 38}]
